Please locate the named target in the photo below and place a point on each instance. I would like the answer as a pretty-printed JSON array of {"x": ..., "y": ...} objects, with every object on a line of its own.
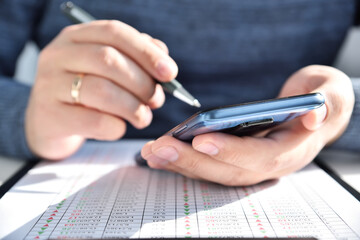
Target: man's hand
[
  {"x": 118, "y": 64},
  {"x": 232, "y": 160}
]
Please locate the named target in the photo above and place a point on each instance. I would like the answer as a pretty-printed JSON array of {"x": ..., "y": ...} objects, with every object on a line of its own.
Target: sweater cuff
[
  {"x": 350, "y": 139},
  {"x": 13, "y": 102}
]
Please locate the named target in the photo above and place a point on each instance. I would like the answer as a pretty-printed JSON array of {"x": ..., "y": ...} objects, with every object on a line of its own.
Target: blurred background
[{"x": 348, "y": 59}]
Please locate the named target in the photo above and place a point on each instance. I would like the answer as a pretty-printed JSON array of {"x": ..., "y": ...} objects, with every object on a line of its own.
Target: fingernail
[
  {"x": 207, "y": 148},
  {"x": 154, "y": 159},
  {"x": 168, "y": 153},
  {"x": 166, "y": 68}
]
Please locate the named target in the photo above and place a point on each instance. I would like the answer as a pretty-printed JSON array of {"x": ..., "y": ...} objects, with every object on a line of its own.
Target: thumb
[{"x": 315, "y": 118}]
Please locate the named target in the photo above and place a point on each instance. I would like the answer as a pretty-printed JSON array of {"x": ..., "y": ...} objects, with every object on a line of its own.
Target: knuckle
[
  {"x": 111, "y": 26},
  {"x": 68, "y": 30},
  {"x": 107, "y": 56},
  {"x": 272, "y": 164},
  {"x": 142, "y": 116},
  {"x": 191, "y": 166},
  {"x": 50, "y": 52}
]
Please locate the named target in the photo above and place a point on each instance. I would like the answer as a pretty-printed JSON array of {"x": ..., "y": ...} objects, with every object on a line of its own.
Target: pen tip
[{"x": 197, "y": 103}]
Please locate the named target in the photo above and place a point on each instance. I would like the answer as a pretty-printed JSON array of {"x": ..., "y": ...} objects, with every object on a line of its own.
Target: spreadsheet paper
[{"x": 101, "y": 193}]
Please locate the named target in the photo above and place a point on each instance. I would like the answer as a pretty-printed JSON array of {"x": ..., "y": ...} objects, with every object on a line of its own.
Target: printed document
[{"x": 101, "y": 193}]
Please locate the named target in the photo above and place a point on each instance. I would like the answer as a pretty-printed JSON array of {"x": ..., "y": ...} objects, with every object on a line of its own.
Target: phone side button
[{"x": 182, "y": 128}]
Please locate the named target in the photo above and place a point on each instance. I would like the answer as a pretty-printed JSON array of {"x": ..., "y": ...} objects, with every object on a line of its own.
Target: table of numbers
[{"x": 137, "y": 202}]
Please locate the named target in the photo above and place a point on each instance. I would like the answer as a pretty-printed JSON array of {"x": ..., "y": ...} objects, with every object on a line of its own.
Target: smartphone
[
  {"x": 247, "y": 118},
  {"x": 244, "y": 119}
]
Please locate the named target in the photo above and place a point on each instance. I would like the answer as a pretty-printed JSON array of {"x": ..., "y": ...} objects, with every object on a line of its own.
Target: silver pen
[{"x": 78, "y": 15}]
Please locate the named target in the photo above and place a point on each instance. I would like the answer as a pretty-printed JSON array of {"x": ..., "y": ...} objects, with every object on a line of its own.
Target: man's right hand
[{"x": 118, "y": 64}]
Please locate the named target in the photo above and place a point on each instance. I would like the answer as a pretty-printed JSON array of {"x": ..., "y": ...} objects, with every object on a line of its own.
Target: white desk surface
[
  {"x": 8, "y": 167},
  {"x": 345, "y": 164}
]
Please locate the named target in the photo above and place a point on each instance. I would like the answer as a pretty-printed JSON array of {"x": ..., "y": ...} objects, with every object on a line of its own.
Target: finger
[
  {"x": 315, "y": 118},
  {"x": 105, "y": 96},
  {"x": 129, "y": 41},
  {"x": 250, "y": 153},
  {"x": 297, "y": 144},
  {"x": 182, "y": 158},
  {"x": 287, "y": 147},
  {"x": 158, "y": 99},
  {"x": 89, "y": 123},
  {"x": 109, "y": 63},
  {"x": 157, "y": 42},
  {"x": 147, "y": 154},
  {"x": 160, "y": 163},
  {"x": 161, "y": 45},
  {"x": 335, "y": 86}
]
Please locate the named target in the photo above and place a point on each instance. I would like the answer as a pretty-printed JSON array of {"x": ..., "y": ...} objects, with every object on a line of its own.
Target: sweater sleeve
[
  {"x": 18, "y": 20},
  {"x": 13, "y": 102},
  {"x": 350, "y": 139}
]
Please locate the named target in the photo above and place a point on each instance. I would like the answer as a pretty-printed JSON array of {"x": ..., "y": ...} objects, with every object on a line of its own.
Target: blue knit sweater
[{"x": 228, "y": 51}]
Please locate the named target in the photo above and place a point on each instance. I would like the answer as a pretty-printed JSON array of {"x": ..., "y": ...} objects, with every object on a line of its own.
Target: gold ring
[{"x": 75, "y": 88}]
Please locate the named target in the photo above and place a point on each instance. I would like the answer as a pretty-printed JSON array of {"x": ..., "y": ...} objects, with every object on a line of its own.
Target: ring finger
[
  {"x": 109, "y": 63},
  {"x": 104, "y": 95}
]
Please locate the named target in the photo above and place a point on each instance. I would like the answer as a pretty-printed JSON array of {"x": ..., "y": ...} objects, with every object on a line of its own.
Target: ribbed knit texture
[{"x": 228, "y": 51}]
